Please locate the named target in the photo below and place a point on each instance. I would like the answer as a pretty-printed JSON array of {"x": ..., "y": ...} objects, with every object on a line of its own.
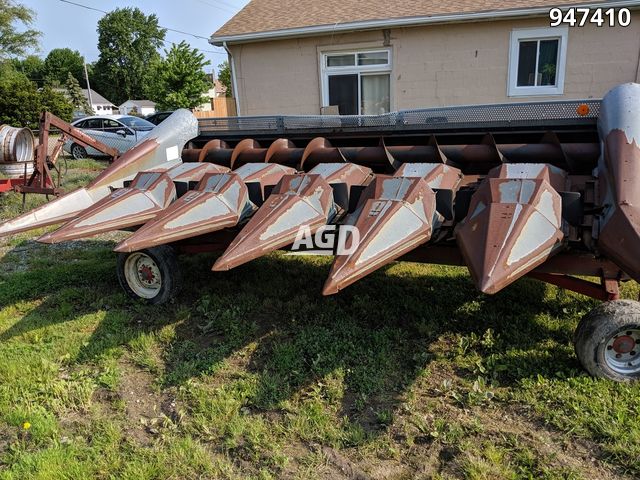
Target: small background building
[
  {"x": 217, "y": 90},
  {"x": 218, "y": 104},
  {"x": 101, "y": 106},
  {"x": 141, "y": 107},
  {"x": 303, "y": 56}
]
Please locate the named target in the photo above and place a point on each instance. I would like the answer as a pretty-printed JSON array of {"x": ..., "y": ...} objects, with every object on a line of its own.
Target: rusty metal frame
[
  {"x": 41, "y": 180},
  {"x": 9, "y": 184},
  {"x": 608, "y": 288},
  {"x": 562, "y": 270}
]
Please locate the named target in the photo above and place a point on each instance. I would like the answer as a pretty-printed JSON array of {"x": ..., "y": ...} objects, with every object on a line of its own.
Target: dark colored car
[{"x": 158, "y": 117}]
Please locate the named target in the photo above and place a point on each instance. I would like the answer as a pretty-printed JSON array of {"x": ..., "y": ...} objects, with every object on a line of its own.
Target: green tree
[
  {"x": 224, "y": 77},
  {"x": 77, "y": 96},
  {"x": 180, "y": 80},
  {"x": 21, "y": 102},
  {"x": 56, "y": 102},
  {"x": 60, "y": 62},
  {"x": 32, "y": 66},
  {"x": 128, "y": 41},
  {"x": 14, "y": 42}
]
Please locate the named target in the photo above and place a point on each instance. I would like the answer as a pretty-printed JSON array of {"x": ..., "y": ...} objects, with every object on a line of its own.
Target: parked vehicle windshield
[{"x": 137, "y": 123}]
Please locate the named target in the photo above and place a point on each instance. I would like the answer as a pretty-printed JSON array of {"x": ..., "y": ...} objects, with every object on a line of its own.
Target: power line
[
  {"x": 199, "y": 37},
  {"x": 230, "y": 8},
  {"x": 83, "y": 6}
]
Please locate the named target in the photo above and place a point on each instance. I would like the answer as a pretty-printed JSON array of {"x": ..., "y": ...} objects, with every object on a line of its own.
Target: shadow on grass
[{"x": 377, "y": 335}]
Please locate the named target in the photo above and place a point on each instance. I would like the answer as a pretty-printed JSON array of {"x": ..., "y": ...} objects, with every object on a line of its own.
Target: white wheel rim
[
  {"x": 622, "y": 351},
  {"x": 142, "y": 275}
]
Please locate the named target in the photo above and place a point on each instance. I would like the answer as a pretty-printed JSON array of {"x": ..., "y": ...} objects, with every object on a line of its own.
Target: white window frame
[
  {"x": 360, "y": 70},
  {"x": 532, "y": 34}
]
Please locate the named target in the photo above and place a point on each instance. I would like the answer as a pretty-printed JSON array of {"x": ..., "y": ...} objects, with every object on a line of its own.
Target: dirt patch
[
  {"x": 147, "y": 410},
  {"x": 8, "y": 435},
  {"x": 349, "y": 469}
]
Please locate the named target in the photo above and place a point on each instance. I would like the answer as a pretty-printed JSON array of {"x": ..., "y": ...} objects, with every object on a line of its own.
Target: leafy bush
[{"x": 21, "y": 102}]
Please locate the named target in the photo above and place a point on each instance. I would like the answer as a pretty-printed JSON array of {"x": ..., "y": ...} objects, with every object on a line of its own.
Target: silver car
[{"x": 117, "y": 131}]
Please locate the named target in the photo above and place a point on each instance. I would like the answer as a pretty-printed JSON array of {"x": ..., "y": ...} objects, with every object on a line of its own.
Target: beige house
[{"x": 378, "y": 56}]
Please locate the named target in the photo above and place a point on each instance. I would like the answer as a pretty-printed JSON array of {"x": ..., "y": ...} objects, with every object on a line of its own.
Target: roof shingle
[
  {"x": 271, "y": 15},
  {"x": 96, "y": 98}
]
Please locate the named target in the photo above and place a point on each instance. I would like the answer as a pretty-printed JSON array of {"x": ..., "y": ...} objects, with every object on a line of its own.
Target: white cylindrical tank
[
  {"x": 16, "y": 144},
  {"x": 16, "y": 151}
]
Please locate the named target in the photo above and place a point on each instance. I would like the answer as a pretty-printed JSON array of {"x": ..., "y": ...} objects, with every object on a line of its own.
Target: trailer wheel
[
  {"x": 150, "y": 275},
  {"x": 607, "y": 341}
]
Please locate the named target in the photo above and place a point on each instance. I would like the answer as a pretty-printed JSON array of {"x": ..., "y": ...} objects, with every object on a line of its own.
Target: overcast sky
[{"x": 64, "y": 25}]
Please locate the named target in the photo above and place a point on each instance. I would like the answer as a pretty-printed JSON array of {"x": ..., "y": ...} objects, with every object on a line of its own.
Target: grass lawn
[{"x": 410, "y": 373}]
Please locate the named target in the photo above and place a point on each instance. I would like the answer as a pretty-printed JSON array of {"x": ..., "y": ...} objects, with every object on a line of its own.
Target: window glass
[
  {"x": 343, "y": 92},
  {"x": 527, "y": 63},
  {"x": 137, "y": 123},
  {"x": 341, "y": 60},
  {"x": 93, "y": 123},
  {"x": 347, "y": 88},
  {"x": 375, "y": 95},
  {"x": 537, "y": 60},
  {"x": 547, "y": 60},
  {"x": 373, "y": 58},
  {"x": 111, "y": 125}
]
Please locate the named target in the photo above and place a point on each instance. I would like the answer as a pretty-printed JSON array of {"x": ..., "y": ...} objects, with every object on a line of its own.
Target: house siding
[{"x": 436, "y": 65}]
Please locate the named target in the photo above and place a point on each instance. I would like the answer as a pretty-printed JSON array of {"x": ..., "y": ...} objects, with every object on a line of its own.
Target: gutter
[
  {"x": 234, "y": 83},
  {"x": 222, "y": 40}
]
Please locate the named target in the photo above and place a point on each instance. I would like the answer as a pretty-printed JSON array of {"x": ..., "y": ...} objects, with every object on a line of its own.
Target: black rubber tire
[
  {"x": 596, "y": 328},
  {"x": 78, "y": 151},
  {"x": 166, "y": 260}
]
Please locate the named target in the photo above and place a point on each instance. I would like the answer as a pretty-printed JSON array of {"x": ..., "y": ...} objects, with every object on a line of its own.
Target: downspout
[{"x": 234, "y": 83}]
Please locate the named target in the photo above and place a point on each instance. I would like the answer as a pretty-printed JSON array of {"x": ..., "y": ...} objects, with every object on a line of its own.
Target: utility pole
[{"x": 86, "y": 77}]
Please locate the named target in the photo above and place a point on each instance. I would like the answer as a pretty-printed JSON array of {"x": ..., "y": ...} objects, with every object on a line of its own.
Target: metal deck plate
[{"x": 493, "y": 116}]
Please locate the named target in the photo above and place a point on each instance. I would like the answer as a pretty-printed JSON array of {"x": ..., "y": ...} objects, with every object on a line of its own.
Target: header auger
[{"x": 548, "y": 190}]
